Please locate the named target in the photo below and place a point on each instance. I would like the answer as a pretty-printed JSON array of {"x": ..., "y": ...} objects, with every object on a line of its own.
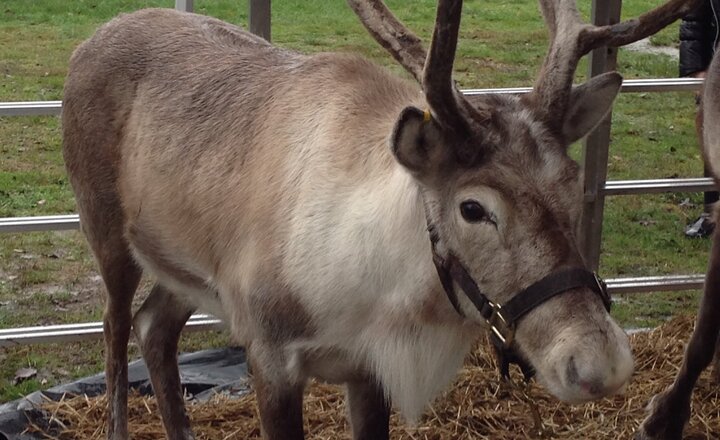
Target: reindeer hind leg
[
  {"x": 157, "y": 326},
  {"x": 121, "y": 276}
]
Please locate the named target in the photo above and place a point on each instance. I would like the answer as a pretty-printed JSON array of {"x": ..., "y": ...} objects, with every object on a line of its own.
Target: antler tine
[
  {"x": 445, "y": 101},
  {"x": 433, "y": 70},
  {"x": 392, "y": 34},
  {"x": 647, "y": 24},
  {"x": 553, "y": 86},
  {"x": 571, "y": 38},
  {"x": 548, "y": 11}
]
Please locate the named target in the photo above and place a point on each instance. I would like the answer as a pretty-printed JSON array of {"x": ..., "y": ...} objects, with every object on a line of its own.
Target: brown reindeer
[
  {"x": 292, "y": 196},
  {"x": 670, "y": 409}
]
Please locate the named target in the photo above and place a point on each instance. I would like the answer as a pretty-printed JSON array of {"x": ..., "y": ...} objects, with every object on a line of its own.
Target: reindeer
[
  {"x": 345, "y": 223},
  {"x": 670, "y": 409}
]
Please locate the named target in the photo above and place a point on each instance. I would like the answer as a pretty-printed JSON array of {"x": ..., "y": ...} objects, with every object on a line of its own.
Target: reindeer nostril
[{"x": 572, "y": 374}]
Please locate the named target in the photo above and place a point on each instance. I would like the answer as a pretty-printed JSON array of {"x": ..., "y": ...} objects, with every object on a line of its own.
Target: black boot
[{"x": 702, "y": 227}]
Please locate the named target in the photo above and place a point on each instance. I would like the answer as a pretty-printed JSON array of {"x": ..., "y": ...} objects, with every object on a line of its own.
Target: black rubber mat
[{"x": 203, "y": 374}]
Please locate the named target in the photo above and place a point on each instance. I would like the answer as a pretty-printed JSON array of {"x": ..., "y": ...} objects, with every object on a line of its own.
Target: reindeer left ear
[
  {"x": 589, "y": 104},
  {"x": 416, "y": 141}
]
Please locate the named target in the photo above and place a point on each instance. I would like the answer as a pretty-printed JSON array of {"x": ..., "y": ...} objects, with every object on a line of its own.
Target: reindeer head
[{"x": 501, "y": 193}]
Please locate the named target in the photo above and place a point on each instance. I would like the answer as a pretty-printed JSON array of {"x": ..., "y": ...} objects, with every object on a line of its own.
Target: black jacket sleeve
[{"x": 697, "y": 39}]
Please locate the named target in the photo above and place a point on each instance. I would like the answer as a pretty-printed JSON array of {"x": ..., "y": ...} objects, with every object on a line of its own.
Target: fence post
[
  {"x": 259, "y": 17},
  {"x": 184, "y": 5},
  {"x": 596, "y": 146}
]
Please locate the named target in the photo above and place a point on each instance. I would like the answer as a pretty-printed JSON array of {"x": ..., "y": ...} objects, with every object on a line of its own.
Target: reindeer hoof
[{"x": 666, "y": 419}]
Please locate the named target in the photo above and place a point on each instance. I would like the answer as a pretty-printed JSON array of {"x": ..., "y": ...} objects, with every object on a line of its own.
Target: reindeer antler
[
  {"x": 442, "y": 96},
  {"x": 571, "y": 38},
  {"x": 434, "y": 69}
]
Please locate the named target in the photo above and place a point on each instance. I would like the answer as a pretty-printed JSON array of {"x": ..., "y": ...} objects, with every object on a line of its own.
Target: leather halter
[{"x": 502, "y": 319}]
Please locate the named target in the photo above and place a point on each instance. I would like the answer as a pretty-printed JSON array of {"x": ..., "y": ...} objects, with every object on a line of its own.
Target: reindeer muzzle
[{"x": 502, "y": 319}]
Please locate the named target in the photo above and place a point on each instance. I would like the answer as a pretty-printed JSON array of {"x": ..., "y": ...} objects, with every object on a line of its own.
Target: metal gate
[{"x": 594, "y": 162}]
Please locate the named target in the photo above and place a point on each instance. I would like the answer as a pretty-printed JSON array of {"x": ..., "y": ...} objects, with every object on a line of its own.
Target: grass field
[{"x": 50, "y": 277}]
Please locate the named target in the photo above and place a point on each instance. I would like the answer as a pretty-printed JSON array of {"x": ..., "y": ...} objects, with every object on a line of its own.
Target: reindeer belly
[{"x": 186, "y": 282}]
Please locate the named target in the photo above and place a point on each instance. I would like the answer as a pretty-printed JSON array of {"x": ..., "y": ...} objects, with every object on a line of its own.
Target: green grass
[{"x": 50, "y": 277}]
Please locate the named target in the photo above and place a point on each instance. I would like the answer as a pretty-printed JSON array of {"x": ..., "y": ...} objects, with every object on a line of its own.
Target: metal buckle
[{"x": 504, "y": 331}]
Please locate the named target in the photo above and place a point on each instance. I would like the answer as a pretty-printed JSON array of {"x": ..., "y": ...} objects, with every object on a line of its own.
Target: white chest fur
[{"x": 363, "y": 268}]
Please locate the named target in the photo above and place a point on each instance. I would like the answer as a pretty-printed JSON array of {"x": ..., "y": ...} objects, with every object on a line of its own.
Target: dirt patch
[
  {"x": 644, "y": 46},
  {"x": 74, "y": 290}
]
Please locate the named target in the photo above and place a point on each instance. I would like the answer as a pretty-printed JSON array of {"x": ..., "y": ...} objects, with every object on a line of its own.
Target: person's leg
[
  {"x": 704, "y": 225},
  {"x": 710, "y": 197}
]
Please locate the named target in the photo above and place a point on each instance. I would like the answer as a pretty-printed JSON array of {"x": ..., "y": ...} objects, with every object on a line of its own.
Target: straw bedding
[{"x": 477, "y": 407}]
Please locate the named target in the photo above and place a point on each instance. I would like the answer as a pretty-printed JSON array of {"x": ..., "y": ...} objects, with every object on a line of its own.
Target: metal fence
[{"x": 594, "y": 162}]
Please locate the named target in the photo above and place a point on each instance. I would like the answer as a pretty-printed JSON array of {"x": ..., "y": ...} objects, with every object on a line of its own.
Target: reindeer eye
[{"x": 473, "y": 212}]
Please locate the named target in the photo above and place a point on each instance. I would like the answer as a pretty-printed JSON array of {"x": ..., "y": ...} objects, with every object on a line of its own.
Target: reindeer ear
[
  {"x": 416, "y": 141},
  {"x": 589, "y": 104}
]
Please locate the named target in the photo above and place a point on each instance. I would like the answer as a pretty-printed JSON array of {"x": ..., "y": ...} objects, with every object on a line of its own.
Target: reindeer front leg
[
  {"x": 716, "y": 364},
  {"x": 670, "y": 410},
  {"x": 369, "y": 411},
  {"x": 279, "y": 396}
]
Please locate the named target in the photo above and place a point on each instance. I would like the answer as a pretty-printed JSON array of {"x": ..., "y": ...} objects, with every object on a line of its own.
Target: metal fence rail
[
  {"x": 94, "y": 330},
  {"x": 627, "y": 187},
  {"x": 37, "y": 108},
  {"x": 613, "y": 187},
  {"x": 615, "y": 285},
  {"x": 83, "y": 332},
  {"x": 30, "y": 108},
  {"x": 40, "y": 223},
  {"x": 628, "y": 86},
  {"x": 655, "y": 283}
]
